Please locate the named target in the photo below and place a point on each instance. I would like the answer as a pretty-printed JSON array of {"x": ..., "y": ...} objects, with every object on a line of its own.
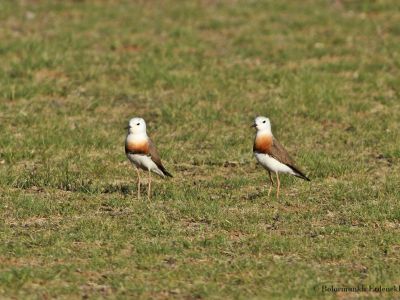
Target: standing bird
[
  {"x": 271, "y": 154},
  {"x": 141, "y": 151}
]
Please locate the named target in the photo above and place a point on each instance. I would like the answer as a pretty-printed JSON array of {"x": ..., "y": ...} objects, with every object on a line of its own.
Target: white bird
[
  {"x": 141, "y": 151},
  {"x": 271, "y": 154}
]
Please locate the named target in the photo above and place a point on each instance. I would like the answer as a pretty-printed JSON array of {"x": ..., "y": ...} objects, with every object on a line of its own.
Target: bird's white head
[
  {"x": 136, "y": 126},
  {"x": 262, "y": 124}
]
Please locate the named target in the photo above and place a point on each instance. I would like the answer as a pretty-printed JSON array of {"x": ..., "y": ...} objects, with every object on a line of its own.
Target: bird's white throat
[
  {"x": 264, "y": 132},
  {"x": 137, "y": 137}
]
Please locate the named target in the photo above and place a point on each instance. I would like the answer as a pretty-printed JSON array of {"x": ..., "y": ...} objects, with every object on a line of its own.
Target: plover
[
  {"x": 140, "y": 150},
  {"x": 271, "y": 154}
]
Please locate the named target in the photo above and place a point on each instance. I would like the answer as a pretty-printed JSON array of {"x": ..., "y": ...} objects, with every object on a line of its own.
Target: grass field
[{"x": 72, "y": 73}]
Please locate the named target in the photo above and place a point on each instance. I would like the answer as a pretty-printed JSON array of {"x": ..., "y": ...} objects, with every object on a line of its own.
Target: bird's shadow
[{"x": 123, "y": 189}]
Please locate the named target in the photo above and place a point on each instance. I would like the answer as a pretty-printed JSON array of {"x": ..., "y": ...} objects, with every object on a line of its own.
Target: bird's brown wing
[
  {"x": 156, "y": 158},
  {"x": 277, "y": 151}
]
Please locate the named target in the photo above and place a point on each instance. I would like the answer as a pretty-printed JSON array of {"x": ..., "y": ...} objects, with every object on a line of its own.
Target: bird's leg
[
  {"x": 272, "y": 182},
  {"x": 279, "y": 184},
  {"x": 138, "y": 183},
  {"x": 149, "y": 191}
]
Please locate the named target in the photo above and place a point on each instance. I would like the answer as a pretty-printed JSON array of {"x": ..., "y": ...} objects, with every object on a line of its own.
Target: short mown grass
[{"x": 72, "y": 73}]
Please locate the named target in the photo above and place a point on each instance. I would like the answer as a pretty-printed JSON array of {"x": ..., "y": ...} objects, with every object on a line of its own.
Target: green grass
[{"x": 72, "y": 73}]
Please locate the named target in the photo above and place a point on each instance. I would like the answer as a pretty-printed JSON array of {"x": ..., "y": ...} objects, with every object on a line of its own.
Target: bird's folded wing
[
  {"x": 155, "y": 156},
  {"x": 154, "y": 153},
  {"x": 277, "y": 151}
]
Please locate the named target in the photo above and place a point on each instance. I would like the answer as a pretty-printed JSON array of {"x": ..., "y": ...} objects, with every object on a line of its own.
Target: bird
[
  {"x": 142, "y": 153},
  {"x": 271, "y": 154}
]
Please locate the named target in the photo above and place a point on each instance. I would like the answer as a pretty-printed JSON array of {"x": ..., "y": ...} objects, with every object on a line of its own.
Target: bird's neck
[
  {"x": 137, "y": 137},
  {"x": 263, "y": 132}
]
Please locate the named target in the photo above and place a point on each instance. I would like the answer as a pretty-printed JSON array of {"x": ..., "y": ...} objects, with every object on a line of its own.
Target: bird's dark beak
[
  {"x": 254, "y": 125},
  {"x": 127, "y": 127}
]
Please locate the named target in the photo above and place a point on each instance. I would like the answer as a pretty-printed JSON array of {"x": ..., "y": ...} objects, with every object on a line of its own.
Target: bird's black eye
[
  {"x": 138, "y": 124},
  {"x": 264, "y": 121}
]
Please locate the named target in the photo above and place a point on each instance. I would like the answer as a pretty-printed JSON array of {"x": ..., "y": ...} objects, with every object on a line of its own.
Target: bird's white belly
[
  {"x": 272, "y": 164},
  {"x": 144, "y": 162}
]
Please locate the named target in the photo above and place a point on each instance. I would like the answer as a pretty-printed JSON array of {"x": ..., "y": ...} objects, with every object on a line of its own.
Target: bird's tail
[
  {"x": 165, "y": 172},
  {"x": 299, "y": 174}
]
